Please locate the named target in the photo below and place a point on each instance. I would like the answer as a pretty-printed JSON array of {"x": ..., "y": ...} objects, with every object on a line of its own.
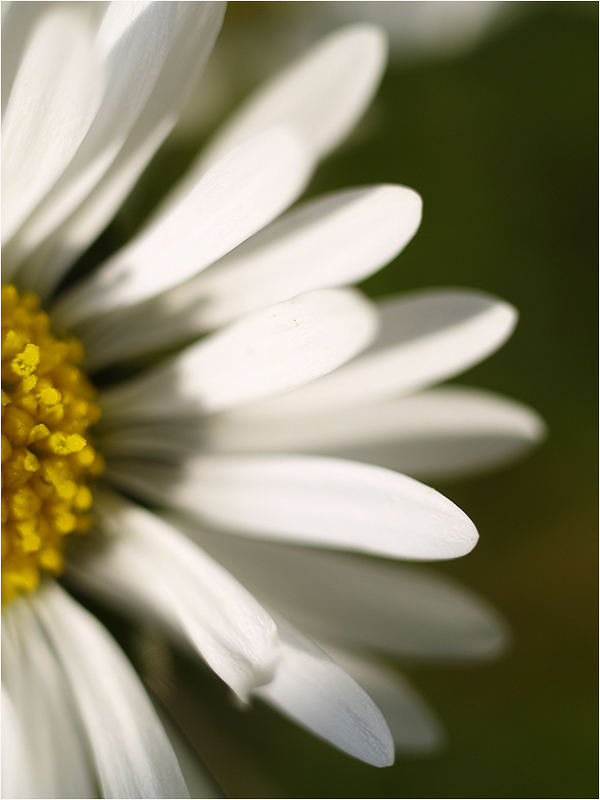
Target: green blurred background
[{"x": 499, "y": 135}]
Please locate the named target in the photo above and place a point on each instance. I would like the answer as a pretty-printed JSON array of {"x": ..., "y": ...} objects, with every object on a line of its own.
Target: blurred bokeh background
[{"x": 490, "y": 111}]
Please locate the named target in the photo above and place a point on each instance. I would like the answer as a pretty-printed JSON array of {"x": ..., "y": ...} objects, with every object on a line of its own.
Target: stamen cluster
[{"x": 48, "y": 405}]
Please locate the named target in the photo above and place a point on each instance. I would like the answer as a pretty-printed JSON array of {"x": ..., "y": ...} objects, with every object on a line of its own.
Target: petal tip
[
  {"x": 471, "y": 538},
  {"x": 535, "y": 428},
  {"x": 511, "y": 316},
  {"x": 494, "y": 637},
  {"x": 463, "y": 538},
  {"x": 407, "y": 197},
  {"x": 368, "y": 36}
]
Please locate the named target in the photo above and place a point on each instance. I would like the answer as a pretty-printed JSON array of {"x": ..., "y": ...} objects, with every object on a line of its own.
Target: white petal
[
  {"x": 230, "y": 202},
  {"x": 197, "y": 778},
  {"x": 55, "y": 96},
  {"x": 425, "y": 337},
  {"x": 275, "y": 350},
  {"x": 18, "y": 22},
  {"x": 311, "y": 689},
  {"x": 20, "y": 777},
  {"x": 412, "y": 724},
  {"x": 372, "y": 604},
  {"x": 195, "y": 30},
  {"x": 17, "y": 759},
  {"x": 439, "y": 432},
  {"x": 133, "y": 41},
  {"x": 420, "y": 30},
  {"x": 321, "y": 96},
  {"x": 147, "y": 565},
  {"x": 132, "y": 753},
  {"x": 335, "y": 240},
  {"x": 313, "y": 501},
  {"x": 58, "y": 764}
]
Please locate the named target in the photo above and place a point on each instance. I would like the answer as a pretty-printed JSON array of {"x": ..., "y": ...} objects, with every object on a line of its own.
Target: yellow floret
[
  {"x": 26, "y": 362},
  {"x": 48, "y": 405}
]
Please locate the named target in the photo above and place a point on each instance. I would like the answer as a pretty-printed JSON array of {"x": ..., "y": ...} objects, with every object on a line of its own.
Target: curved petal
[
  {"x": 18, "y": 763},
  {"x": 446, "y": 432},
  {"x": 321, "y": 96},
  {"x": 439, "y": 432},
  {"x": 54, "y": 759},
  {"x": 196, "y": 27},
  {"x": 132, "y": 754},
  {"x": 404, "y": 610},
  {"x": 282, "y": 347},
  {"x": 231, "y": 201},
  {"x": 425, "y": 337},
  {"x": 335, "y": 240},
  {"x": 412, "y": 724},
  {"x": 132, "y": 42},
  {"x": 311, "y": 501},
  {"x": 18, "y": 22},
  {"x": 149, "y": 566},
  {"x": 197, "y": 778},
  {"x": 311, "y": 689},
  {"x": 54, "y": 98}
]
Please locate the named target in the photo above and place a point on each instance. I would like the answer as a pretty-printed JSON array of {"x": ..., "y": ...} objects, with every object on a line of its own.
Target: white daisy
[{"x": 218, "y": 432}]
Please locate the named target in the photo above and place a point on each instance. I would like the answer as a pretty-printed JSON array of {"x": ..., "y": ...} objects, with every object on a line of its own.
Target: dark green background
[{"x": 501, "y": 142}]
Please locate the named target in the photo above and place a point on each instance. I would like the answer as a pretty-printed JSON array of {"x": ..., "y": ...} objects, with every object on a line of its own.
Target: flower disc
[{"x": 48, "y": 405}]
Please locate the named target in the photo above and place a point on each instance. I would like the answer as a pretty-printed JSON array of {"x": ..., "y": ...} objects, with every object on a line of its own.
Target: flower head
[{"x": 254, "y": 355}]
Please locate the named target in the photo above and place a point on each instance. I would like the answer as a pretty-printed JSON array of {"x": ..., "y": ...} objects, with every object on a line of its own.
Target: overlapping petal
[
  {"x": 198, "y": 780},
  {"x": 310, "y": 688},
  {"x": 263, "y": 354},
  {"x": 444, "y": 432},
  {"x": 404, "y": 610},
  {"x": 425, "y": 337},
  {"x": 132, "y": 42},
  {"x": 240, "y": 194},
  {"x": 132, "y": 755},
  {"x": 412, "y": 725},
  {"x": 53, "y": 100},
  {"x": 335, "y": 240},
  {"x": 195, "y": 29},
  {"x": 45, "y": 756},
  {"x": 16, "y": 756},
  {"x": 149, "y": 567},
  {"x": 321, "y": 96},
  {"x": 310, "y": 501}
]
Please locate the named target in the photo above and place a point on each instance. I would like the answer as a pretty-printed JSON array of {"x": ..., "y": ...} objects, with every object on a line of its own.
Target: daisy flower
[{"x": 254, "y": 374}]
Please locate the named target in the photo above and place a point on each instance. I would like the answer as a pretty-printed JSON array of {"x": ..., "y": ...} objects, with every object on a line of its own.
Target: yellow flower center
[{"x": 48, "y": 405}]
